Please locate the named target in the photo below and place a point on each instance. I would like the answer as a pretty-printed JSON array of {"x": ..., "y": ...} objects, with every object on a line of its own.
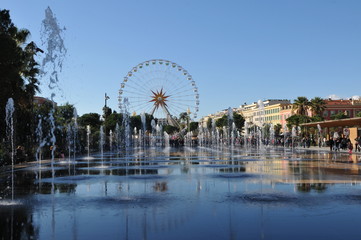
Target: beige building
[{"x": 267, "y": 111}]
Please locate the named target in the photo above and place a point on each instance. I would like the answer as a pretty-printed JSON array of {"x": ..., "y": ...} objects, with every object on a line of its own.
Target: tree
[
  {"x": 170, "y": 129},
  {"x": 209, "y": 124},
  {"x": 340, "y": 115},
  {"x": 92, "y": 119},
  {"x": 64, "y": 114},
  {"x": 317, "y": 118},
  {"x": 277, "y": 129},
  {"x": 136, "y": 121},
  {"x": 301, "y": 105},
  {"x": 317, "y": 106},
  {"x": 358, "y": 114},
  {"x": 106, "y": 112},
  {"x": 296, "y": 120},
  {"x": 238, "y": 121},
  {"x": 193, "y": 126},
  {"x": 222, "y": 122},
  {"x": 18, "y": 72}
]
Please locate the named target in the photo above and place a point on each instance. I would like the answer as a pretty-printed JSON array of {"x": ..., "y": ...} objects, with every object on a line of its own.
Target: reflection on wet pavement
[{"x": 182, "y": 193}]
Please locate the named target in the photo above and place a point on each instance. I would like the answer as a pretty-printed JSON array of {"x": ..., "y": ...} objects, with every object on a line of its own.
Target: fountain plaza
[{"x": 198, "y": 192}]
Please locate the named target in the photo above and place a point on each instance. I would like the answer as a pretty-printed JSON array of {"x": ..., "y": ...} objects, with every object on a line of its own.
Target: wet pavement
[{"x": 186, "y": 193}]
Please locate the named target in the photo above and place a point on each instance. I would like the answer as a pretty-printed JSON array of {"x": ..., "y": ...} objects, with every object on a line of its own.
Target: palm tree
[
  {"x": 18, "y": 71},
  {"x": 318, "y": 105},
  {"x": 301, "y": 105},
  {"x": 184, "y": 117}
]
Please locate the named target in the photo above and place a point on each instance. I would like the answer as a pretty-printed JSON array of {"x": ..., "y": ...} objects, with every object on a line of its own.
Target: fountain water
[
  {"x": 75, "y": 131},
  {"x": 229, "y": 126},
  {"x": 10, "y": 133},
  {"x": 88, "y": 132},
  {"x": 260, "y": 130},
  {"x": 294, "y": 134},
  {"x": 69, "y": 139},
  {"x": 319, "y": 135},
  {"x": 166, "y": 139},
  {"x": 144, "y": 128},
  {"x": 154, "y": 131},
  {"x": 51, "y": 37},
  {"x": 118, "y": 137},
  {"x": 111, "y": 140},
  {"x": 126, "y": 126},
  {"x": 214, "y": 134},
  {"x": 285, "y": 132},
  {"x": 42, "y": 143},
  {"x": 245, "y": 136},
  {"x": 101, "y": 143},
  {"x": 272, "y": 135}
]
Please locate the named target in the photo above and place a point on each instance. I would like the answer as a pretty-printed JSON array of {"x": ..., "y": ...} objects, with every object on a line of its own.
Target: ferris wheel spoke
[
  {"x": 131, "y": 82},
  {"x": 140, "y": 104},
  {"x": 184, "y": 97},
  {"x": 178, "y": 107},
  {"x": 179, "y": 102},
  {"x": 144, "y": 85},
  {"x": 181, "y": 93},
  {"x": 180, "y": 89},
  {"x": 128, "y": 94},
  {"x": 136, "y": 89},
  {"x": 181, "y": 108}
]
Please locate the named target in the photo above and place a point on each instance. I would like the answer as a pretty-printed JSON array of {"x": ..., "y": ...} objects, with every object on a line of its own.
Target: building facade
[
  {"x": 350, "y": 107},
  {"x": 265, "y": 112}
]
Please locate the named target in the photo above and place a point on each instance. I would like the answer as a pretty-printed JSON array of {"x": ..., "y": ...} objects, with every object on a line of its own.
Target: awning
[{"x": 348, "y": 122}]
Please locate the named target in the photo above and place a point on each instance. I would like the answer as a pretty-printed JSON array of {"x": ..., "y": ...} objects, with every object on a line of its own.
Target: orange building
[
  {"x": 350, "y": 107},
  {"x": 41, "y": 100}
]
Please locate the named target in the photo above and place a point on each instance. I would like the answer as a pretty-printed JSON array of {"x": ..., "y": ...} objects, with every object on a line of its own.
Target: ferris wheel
[{"x": 161, "y": 88}]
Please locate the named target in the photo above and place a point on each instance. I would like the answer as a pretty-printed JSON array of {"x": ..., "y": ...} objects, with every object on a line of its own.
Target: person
[
  {"x": 349, "y": 146},
  {"x": 356, "y": 144},
  {"x": 337, "y": 143},
  {"x": 330, "y": 142}
]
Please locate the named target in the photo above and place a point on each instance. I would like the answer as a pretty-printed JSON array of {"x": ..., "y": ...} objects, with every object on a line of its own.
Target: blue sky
[{"x": 237, "y": 51}]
